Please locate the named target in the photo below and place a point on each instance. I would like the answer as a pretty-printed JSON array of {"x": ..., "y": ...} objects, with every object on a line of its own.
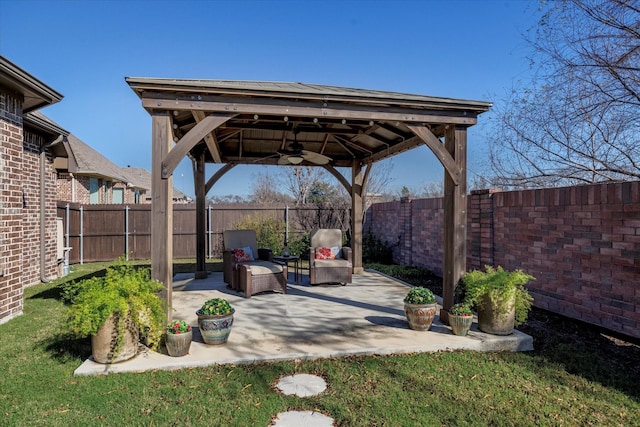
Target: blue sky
[{"x": 469, "y": 49}]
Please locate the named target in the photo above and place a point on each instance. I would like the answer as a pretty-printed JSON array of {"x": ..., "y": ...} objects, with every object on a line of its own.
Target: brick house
[
  {"x": 85, "y": 176},
  {"x": 28, "y": 227}
]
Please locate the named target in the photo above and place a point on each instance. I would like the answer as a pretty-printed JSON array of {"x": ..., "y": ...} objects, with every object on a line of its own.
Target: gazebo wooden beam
[
  {"x": 210, "y": 138},
  {"x": 308, "y": 109},
  {"x": 187, "y": 142},
  {"x": 439, "y": 150},
  {"x": 161, "y": 207},
  {"x": 455, "y": 217}
]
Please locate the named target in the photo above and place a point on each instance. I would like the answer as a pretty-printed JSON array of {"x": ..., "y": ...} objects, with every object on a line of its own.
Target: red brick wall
[
  {"x": 75, "y": 189},
  {"x": 581, "y": 243},
  {"x": 11, "y": 261},
  {"x": 20, "y": 208}
]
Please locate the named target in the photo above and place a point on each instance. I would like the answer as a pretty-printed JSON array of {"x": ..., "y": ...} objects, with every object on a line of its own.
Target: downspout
[{"x": 43, "y": 251}]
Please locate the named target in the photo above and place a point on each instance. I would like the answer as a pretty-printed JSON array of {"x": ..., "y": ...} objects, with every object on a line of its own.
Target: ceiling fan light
[{"x": 295, "y": 160}]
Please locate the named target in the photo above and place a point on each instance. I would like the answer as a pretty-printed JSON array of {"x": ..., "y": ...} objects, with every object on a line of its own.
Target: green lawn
[{"x": 567, "y": 381}]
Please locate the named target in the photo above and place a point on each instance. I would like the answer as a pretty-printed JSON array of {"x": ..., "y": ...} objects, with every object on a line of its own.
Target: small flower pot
[
  {"x": 460, "y": 325},
  {"x": 215, "y": 329},
  {"x": 178, "y": 344},
  {"x": 420, "y": 316}
]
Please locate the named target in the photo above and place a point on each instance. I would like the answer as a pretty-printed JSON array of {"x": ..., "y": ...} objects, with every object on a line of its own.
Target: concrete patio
[{"x": 365, "y": 317}]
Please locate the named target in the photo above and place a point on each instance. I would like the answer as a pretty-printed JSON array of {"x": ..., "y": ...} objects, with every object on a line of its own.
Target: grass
[{"x": 576, "y": 376}]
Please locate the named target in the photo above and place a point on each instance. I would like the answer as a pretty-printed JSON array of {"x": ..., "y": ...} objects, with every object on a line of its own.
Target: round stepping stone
[
  {"x": 302, "y": 385},
  {"x": 302, "y": 418}
]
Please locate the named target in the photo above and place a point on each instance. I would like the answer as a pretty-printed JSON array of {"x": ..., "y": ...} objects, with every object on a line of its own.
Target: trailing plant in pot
[
  {"x": 500, "y": 296},
  {"x": 215, "y": 319},
  {"x": 460, "y": 318},
  {"x": 115, "y": 309},
  {"x": 420, "y": 307},
  {"x": 178, "y": 338}
]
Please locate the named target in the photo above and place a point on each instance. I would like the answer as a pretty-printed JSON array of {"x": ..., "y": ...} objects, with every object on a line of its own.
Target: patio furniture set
[{"x": 251, "y": 270}]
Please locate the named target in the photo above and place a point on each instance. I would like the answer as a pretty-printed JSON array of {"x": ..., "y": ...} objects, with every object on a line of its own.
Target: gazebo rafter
[{"x": 251, "y": 122}]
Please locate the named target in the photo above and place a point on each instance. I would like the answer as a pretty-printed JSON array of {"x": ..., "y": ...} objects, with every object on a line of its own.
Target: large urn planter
[
  {"x": 497, "y": 316},
  {"x": 500, "y": 296},
  {"x": 116, "y": 310},
  {"x": 215, "y": 319},
  {"x": 420, "y": 308},
  {"x": 108, "y": 345}
]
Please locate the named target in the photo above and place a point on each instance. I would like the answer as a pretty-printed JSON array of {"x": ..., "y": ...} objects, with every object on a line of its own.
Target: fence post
[
  {"x": 126, "y": 232},
  {"x": 81, "y": 236}
]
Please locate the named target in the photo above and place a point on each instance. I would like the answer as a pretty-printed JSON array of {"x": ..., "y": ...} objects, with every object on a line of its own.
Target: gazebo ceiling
[{"x": 261, "y": 117}]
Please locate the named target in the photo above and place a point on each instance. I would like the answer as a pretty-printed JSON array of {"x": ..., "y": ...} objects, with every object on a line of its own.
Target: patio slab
[{"x": 365, "y": 317}]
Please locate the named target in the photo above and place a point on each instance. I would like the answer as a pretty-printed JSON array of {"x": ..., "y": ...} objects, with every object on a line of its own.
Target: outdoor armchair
[
  {"x": 249, "y": 269},
  {"x": 329, "y": 261}
]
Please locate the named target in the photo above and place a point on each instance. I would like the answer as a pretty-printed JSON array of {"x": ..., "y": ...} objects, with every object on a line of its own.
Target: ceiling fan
[{"x": 295, "y": 154}]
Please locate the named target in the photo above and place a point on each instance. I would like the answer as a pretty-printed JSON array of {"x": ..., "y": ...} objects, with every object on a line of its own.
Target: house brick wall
[
  {"x": 20, "y": 208},
  {"x": 11, "y": 260},
  {"x": 75, "y": 189},
  {"x": 581, "y": 243}
]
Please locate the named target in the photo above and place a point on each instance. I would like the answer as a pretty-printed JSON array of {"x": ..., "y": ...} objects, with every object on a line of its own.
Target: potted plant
[
  {"x": 460, "y": 318},
  {"x": 215, "y": 319},
  {"x": 420, "y": 307},
  {"x": 115, "y": 310},
  {"x": 178, "y": 338},
  {"x": 500, "y": 296}
]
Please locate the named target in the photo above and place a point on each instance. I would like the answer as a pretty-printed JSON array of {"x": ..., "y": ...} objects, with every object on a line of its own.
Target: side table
[{"x": 293, "y": 259}]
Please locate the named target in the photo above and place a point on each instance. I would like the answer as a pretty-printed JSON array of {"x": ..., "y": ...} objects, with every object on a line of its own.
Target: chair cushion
[
  {"x": 243, "y": 254},
  {"x": 333, "y": 263},
  {"x": 336, "y": 251},
  {"x": 259, "y": 267}
]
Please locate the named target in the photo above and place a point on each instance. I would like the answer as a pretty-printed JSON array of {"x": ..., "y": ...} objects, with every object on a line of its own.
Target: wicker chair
[
  {"x": 251, "y": 277},
  {"x": 322, "y": 270}
]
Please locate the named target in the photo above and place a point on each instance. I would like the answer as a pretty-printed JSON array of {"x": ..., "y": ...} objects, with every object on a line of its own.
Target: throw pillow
[
  {"x": 324, "y": 253},
  {"x": 243, "y": 254},
  {"x": 337, "y": 252}
]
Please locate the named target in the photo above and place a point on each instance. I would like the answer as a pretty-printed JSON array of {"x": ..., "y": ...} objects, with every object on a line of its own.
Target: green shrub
[
  {"x": 269, "y": 232},
  {"x": 123, "y": 291},
  {"x": 499, "y": 285},
  {"x": 420, "y": 295},
  {"x": 374, "y": 250}
]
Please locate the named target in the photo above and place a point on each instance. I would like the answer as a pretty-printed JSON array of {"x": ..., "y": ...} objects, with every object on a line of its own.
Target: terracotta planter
[
  {"x": 178, "y": 344},
  {"x": 215, "y": 329},
  {"x": 104, "y": 342},
  {"x": 460, "y": 325},
  {"x": 497, "y": 317},
  {"x": 420, "y": 316}
]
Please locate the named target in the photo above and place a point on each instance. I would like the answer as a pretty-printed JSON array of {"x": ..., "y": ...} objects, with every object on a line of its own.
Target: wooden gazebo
[{"x": 255, "y": 123}]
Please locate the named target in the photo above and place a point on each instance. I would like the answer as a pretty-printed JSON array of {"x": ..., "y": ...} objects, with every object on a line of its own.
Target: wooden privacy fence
[{"x": 105, "y": 232}]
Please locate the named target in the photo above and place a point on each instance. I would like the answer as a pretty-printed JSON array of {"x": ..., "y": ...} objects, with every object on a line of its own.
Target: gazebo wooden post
[
  {"x": 199, "y": 182},
  {"x": 455, "y": 217},
  {"x": 161, "y": 206},
  {"x": 357, "y": 180}
]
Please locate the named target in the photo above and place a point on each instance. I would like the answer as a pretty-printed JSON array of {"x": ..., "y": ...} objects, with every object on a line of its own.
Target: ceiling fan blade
[
  {"x": 317, "y": 158},
  {"x": 265, "y": 158},
  {"x": 284, "y": 160}
]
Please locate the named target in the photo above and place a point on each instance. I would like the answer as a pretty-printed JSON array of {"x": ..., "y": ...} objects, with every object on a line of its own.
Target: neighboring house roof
[
  {"x": 36, "y": 93},
  {"x": 43, "y": 123},
  {"x": 141, "y": 178},
  {"x": 84, "y": 160}
]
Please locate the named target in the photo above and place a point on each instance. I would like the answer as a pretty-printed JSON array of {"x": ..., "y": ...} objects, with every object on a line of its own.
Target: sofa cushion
[{"x": 325, "y": 253}]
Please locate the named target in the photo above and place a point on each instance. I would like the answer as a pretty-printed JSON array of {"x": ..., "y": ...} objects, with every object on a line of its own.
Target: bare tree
[
  {"x": 578, "y": 119},
  {"x": 265, "y": 190},
  {"x": 299, "y": 180}
]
